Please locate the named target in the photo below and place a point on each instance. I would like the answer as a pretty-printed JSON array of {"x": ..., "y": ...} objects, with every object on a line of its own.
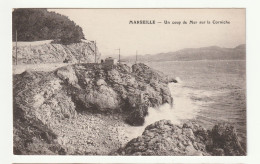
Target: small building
[{"x": 109, "y": 62}]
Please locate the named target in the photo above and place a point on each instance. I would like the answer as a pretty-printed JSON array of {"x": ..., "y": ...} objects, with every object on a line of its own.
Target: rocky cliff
[
  {"x": 164, "y": 138},
  {"x": 55, "y": 53},
  {"x": 54, "y": 104},
  {"x": 82, "y": 109}
]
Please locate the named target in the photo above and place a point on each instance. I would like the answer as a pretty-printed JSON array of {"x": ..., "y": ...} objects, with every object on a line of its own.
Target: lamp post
[
  {"x": 16, "y": 47},
  {"x": 95, "y": 51},
  {"x": 136, "y": 57}
]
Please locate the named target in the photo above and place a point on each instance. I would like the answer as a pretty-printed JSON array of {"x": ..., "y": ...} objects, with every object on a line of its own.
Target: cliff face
[
  {"x": 55, "y": 53},
  {"x": 57, "y": 100}
]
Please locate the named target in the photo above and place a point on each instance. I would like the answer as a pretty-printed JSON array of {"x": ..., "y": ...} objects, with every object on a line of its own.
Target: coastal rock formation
[
  {"x": 116, "y": 90},
  {"x": 55, "y": 53},
  {"x": 164, "y": 138},
  {"x": 57, "y": 101},
  {"x": 224, "y": 141},
  {"x": 82, "y": 109}
]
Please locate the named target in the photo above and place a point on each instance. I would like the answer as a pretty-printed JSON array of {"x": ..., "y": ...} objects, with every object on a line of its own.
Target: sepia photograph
[
  {"x": 125, "y": 163},
  {"x": 129, "y": 82}
]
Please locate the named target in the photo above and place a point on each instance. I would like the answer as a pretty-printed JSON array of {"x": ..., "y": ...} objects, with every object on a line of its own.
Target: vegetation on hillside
[{"x": 40, "y": 24}]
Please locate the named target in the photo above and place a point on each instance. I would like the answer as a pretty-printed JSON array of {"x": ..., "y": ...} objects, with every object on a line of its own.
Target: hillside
[
  {"x": 205, "y": 53},
  {"x": 46, "y": 52},
  {"x": 40, "y": 24}
]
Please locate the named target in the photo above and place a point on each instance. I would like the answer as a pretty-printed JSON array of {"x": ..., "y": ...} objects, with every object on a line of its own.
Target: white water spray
[{"x": 183, "y": 108}]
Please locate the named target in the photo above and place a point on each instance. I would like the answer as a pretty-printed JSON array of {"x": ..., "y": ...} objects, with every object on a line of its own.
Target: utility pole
[
  {"x": 95, "y": 51},
  {"x": 16, "y": 47},
  {"x": 136, "y": 57},
  {"x": 119, "y": 55},
  {"x": 80, "y": 54}
]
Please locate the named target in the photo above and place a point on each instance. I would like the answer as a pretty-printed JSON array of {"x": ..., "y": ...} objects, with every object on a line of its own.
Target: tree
[{"x": 40, "y": 24}]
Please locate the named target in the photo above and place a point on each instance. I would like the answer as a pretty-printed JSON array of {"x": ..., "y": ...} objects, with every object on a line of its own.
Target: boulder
[
  {"x": 137, "y": 117},
  {"x": 102, "y": 99},
  {"x": 172, "y": 80},
  {"x": 101, "y": 82},
  {"x": 225, "y": 140},
  {"x": 67, "y": 74},
  {"x": 162, "y": 138}
]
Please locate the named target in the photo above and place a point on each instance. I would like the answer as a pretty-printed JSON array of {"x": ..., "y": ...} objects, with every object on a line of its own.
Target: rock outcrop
[
  {"x": 118, "y": 89},
  {"x": 164, "y": 138},
  {"x": 31, "y": 136},
  {"x": 55, "y": 53},
  {"x": 224, "y": 141},
  {"x": 56, "y": 98}
]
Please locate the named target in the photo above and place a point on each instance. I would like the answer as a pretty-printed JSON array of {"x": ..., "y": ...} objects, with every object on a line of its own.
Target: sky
[{"x": 111, "y": 30}]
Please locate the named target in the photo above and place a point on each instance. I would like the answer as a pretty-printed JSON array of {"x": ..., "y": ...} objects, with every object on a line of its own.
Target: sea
[{"x": 208, "y": 92}]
